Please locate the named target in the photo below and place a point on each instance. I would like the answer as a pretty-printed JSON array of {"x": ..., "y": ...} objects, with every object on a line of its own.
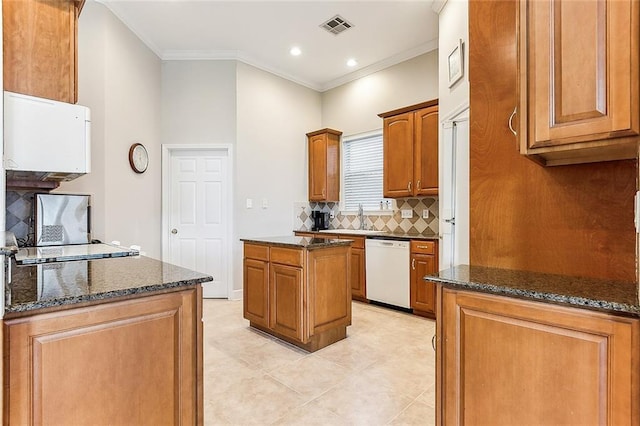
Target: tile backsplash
[
  {"x": 384, "y": 222},
  {"x": 19, "y": 212}
]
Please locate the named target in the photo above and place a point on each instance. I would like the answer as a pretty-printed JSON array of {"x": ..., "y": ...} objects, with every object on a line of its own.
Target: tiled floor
[{"x": 383, "y": 373}]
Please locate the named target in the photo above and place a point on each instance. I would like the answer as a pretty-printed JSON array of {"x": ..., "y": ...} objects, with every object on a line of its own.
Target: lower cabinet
[
  {"x": 137, "y": 361},
  {"x": 358, "y": 278},
  {"x": 504, "y": 361},
  {"x": 299, "y": 295},
  {"x": 424, "y": 261},
  {"x": 358, "y": 282},
  {"x": 286, "y": 286}
]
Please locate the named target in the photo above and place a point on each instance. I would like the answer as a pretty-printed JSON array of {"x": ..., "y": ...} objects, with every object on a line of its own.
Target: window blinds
[{"x": 362, "y": 173}]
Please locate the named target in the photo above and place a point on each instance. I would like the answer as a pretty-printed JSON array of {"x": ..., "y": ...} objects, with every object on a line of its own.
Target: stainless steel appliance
[
  {"x": 387, "y": 269},
  {"x": 61, "y": 219},
  {"x": 320, "y": 220},
  {"x": 63, "y": 233}
]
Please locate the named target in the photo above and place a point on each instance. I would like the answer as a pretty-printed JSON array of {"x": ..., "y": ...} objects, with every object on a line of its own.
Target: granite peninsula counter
[
  {"x": 35, "y": 288},
  {"x": 566, "y": 345},
  {"x": 298, "y": 288},
  {"x": 104, "y": 341}
]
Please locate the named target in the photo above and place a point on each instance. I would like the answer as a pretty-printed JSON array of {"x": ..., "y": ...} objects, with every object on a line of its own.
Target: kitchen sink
[{"x": 353, "y": 231}]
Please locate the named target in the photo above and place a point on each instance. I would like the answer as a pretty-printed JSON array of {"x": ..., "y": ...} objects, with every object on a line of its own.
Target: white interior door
[
  {"x": 454, "y": 192},
  {"x": 198, "y": 219}
]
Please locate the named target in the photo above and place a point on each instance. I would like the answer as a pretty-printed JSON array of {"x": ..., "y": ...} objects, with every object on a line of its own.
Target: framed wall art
[{"x": 455, "y": 63}]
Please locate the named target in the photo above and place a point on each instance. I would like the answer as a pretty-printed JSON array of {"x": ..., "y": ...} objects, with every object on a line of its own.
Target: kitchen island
[
  {"x": 298, "y": 288},
  {"x": 105, "y": 341},
  {"x": 516, "y": 347}
]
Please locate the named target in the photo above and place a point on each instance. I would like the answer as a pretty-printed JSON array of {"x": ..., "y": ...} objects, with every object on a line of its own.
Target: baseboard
[{"x": 235, "y": 294}]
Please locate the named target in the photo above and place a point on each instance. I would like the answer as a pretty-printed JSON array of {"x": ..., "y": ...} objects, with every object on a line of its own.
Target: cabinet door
[
  {"x": 131, "y": 362},
  {"x": 358, "y": 290},
  {"x": 423, "y": 293},
  {"x": 40, "y": 40},
  {"x": 425, "y": 165},
  {"x": 398, "y": 155},
  {"x": 579, "y": 79},
  {"x": 256, "y": 291},
  {"x": 318, "y": 167},
  {"x": 287, "y": 301},
  {"x": 505, "y": 361}
]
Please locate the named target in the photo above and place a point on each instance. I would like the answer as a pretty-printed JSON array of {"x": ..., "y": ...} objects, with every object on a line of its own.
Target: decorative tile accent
[
  {"x": 386, "y": 223},
  {"x": 19, "y": 213}
]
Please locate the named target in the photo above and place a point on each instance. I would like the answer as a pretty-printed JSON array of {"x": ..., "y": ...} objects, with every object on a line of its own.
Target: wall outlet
[
  {"x": 332, "y": 214},
  {"x": 406, "y": 214},
  {"x": 265, "y": 203},
  {"x": 425, "y": 213},
  {"x": 249, "y": 203}
]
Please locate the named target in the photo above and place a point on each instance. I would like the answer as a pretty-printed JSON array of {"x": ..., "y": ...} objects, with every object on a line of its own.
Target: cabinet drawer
[
  {"x": 426, "y": 247},
  {"x": 255, "y": 251},
  {"x": 286, "y": 256}
]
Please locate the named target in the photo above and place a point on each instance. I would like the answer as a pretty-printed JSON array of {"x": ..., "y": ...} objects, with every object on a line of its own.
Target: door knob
[{"x": 174, "y": 231}]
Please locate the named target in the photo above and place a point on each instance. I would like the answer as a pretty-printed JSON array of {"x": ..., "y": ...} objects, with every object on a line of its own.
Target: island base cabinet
[
  {"x": 131, "y": 362},
  {"x": 304, "y": 298},
  {"x": 503, "y": 361}
]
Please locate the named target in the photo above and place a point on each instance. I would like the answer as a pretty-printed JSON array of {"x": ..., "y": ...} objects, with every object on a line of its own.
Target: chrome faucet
[{"x": 361, "y": 216}]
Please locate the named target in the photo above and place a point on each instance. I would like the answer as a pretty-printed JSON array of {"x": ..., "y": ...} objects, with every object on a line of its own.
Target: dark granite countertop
[
  {"x": 299, "y": 242},
  {"x": 588, "y": 293},
  {"x": 381, "y": 235},
  {"x": 50, "y": 285}
]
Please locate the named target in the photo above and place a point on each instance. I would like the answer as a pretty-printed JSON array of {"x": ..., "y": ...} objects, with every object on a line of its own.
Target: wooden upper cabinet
[
  {"x": 425, "y": 161},
  {"x": 324, "y": 165},
  {"x": 410, "y": 151},
  {"x": 579, "y": 80},
  {"x": 40, "y": 48},
  {"x": 398, "y": 155}
]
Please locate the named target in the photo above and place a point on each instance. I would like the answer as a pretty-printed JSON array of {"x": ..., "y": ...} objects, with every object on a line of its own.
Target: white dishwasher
[{"x": 387, "y": 264}]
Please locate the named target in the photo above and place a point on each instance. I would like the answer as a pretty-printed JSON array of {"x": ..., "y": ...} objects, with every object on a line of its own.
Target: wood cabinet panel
[
  {"x": 308, "y": 305},
  {"x": 255, "y": 251},
  {"x": 358, "y": 280},
  {"x": 426, "y": 151},
  {"x": 286, "y": 256},
  {"x": 519, "y": 210},
  {"x": 287, "y": 298},
  {"x": 256, "y": 293},
  {"x": 132, "y": 362},
  {"x": 572, "y": 366},
  {"x": 40, "y": 48},
  {"x": 332, "y": 297},
  {"x": 324, "y": 165},
  {"x": 398, "y": 134},
  {"x": 410, "y": 150},
  {"x": 424, "y": 261},
  {"x": 579, "y": 80}
]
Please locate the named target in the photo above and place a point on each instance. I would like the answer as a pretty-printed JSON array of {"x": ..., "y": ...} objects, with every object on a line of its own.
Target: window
[{"x": 362, "y": 172}]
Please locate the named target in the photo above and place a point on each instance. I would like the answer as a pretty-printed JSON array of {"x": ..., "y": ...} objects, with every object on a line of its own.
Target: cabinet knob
[
  {"x": 413, "y": 264},
  {"x": 433, "y": 342},
  {"x": 418, "y": 185},
  {"x": 511, "y": 121},
  {"x": 174, "y": 231},
  {"x": 409, "y": 186}
]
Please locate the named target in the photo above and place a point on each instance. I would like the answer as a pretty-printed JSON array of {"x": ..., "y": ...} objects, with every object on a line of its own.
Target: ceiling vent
[{"x": 336, "y": 25}]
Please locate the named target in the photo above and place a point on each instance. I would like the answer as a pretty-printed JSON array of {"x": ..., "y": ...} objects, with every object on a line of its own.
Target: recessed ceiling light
[
  {"x": 295, "y": 51},
  {"x": 352, "y": 63}
]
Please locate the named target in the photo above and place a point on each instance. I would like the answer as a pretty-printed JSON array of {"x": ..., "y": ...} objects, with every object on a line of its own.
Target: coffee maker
[{"x": 320, "y": 220}]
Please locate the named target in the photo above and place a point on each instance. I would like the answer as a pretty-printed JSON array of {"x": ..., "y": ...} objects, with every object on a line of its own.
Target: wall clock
[{"x": 138, "y": 158}]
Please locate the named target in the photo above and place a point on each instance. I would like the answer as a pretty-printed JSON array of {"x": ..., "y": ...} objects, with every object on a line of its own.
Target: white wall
[
  {"x": 273, "y": 116},
  {"x": 454, "y": 105},
  {"x": 198, "y": 102},
  {"x": 119, "y": 79},
  {"x": 354, "y": 107}
]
